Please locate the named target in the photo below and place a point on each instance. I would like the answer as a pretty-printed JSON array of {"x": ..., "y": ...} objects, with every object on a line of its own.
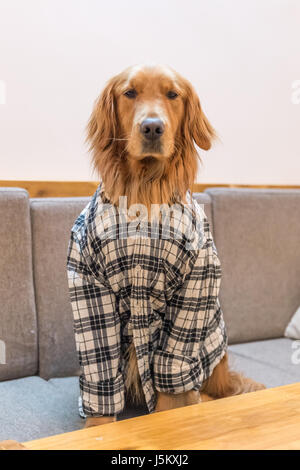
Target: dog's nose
[{"x": 152, "y": 128}]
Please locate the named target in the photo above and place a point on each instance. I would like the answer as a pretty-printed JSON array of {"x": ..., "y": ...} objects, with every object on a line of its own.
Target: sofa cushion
[
  {"x": 279, "y": 359},
  {"x": 31, "y": 408},
  {"x": 18, "y": 328},
  {"x": 52, "y": 219},
  {"x": 257, "y": 234},
  {"x": 293, "y": 328}
]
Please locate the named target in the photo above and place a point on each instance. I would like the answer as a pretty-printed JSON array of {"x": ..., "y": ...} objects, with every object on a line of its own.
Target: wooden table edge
[{"x": 149, "y": 420}]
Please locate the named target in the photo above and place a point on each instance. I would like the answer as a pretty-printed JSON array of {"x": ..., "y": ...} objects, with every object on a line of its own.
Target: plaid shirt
[{"x": 159, "y": 291}]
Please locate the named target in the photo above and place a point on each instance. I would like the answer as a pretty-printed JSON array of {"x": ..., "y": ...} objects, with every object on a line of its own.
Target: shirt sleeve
[
  {"x": 97, "y": 333},
  {"x": 193, "y": 338}
]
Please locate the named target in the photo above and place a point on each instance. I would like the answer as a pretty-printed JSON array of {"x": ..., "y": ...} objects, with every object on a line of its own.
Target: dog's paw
[
  {"x": 258, "y": 386},
  {"x": 249, "y": 385},
  {"x": 11, "y": 445},
  {"x": 204, "y": 397}
]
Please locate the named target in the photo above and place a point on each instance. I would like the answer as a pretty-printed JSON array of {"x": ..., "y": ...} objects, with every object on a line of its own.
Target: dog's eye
[
  {"x": 131, "y": 93},
  {"x": 172, "y": 95}
]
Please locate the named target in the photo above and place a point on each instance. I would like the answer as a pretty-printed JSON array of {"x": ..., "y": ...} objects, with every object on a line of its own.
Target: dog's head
[{"x": 147, "y": 115}]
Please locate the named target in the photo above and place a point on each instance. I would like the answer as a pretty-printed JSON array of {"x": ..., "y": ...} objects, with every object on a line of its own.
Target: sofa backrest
[
  {"x": 205, "y": 201},
  {"x": 18, "y": 325},
  {"x": 257, "y": 233},
  {"x": 52, "y": 219}
]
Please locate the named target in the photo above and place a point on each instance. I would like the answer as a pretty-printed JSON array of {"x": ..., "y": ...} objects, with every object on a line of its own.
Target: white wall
[{"x": 241, "y": 55}]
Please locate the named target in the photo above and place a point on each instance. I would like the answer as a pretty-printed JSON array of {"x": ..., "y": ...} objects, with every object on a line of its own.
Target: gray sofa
[{"x": 257, "y": 235}]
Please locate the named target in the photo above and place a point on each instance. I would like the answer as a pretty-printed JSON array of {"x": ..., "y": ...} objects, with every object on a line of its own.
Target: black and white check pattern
[{"x": 159, "y": 292}]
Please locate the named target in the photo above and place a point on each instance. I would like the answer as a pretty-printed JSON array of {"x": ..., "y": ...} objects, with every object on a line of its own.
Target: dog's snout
[{"x": 152, "y": 128}]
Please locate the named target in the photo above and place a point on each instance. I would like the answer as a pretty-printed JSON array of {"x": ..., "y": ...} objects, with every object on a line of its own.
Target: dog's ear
[
  {"x": 196, "y": 124},
  {"x": 102, "y": 125}
]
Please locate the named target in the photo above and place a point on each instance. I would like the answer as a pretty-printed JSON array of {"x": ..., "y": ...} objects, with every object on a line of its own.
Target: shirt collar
[{"x": 103, "y": 194}]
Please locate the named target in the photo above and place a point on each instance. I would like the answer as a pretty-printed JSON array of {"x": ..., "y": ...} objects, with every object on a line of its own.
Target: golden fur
[
  {"x": 113, "y": 135},
  {"x": 155, "y": 177}
]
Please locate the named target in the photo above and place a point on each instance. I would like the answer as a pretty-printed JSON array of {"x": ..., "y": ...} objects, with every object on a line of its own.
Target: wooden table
[{"x": 268, "y": 419}]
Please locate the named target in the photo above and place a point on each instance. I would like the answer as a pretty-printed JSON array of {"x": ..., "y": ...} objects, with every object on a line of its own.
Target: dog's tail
[
  {"x": 225, "y": 382},
  {"x": 133, "y": 384}
]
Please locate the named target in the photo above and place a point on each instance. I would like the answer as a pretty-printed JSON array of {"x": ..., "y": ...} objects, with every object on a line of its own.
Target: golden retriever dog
[{"x": 142, "y": 135}]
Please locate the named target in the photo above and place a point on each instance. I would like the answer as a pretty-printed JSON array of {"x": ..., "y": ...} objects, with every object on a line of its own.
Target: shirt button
[{"x": 138, "y": 268}]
